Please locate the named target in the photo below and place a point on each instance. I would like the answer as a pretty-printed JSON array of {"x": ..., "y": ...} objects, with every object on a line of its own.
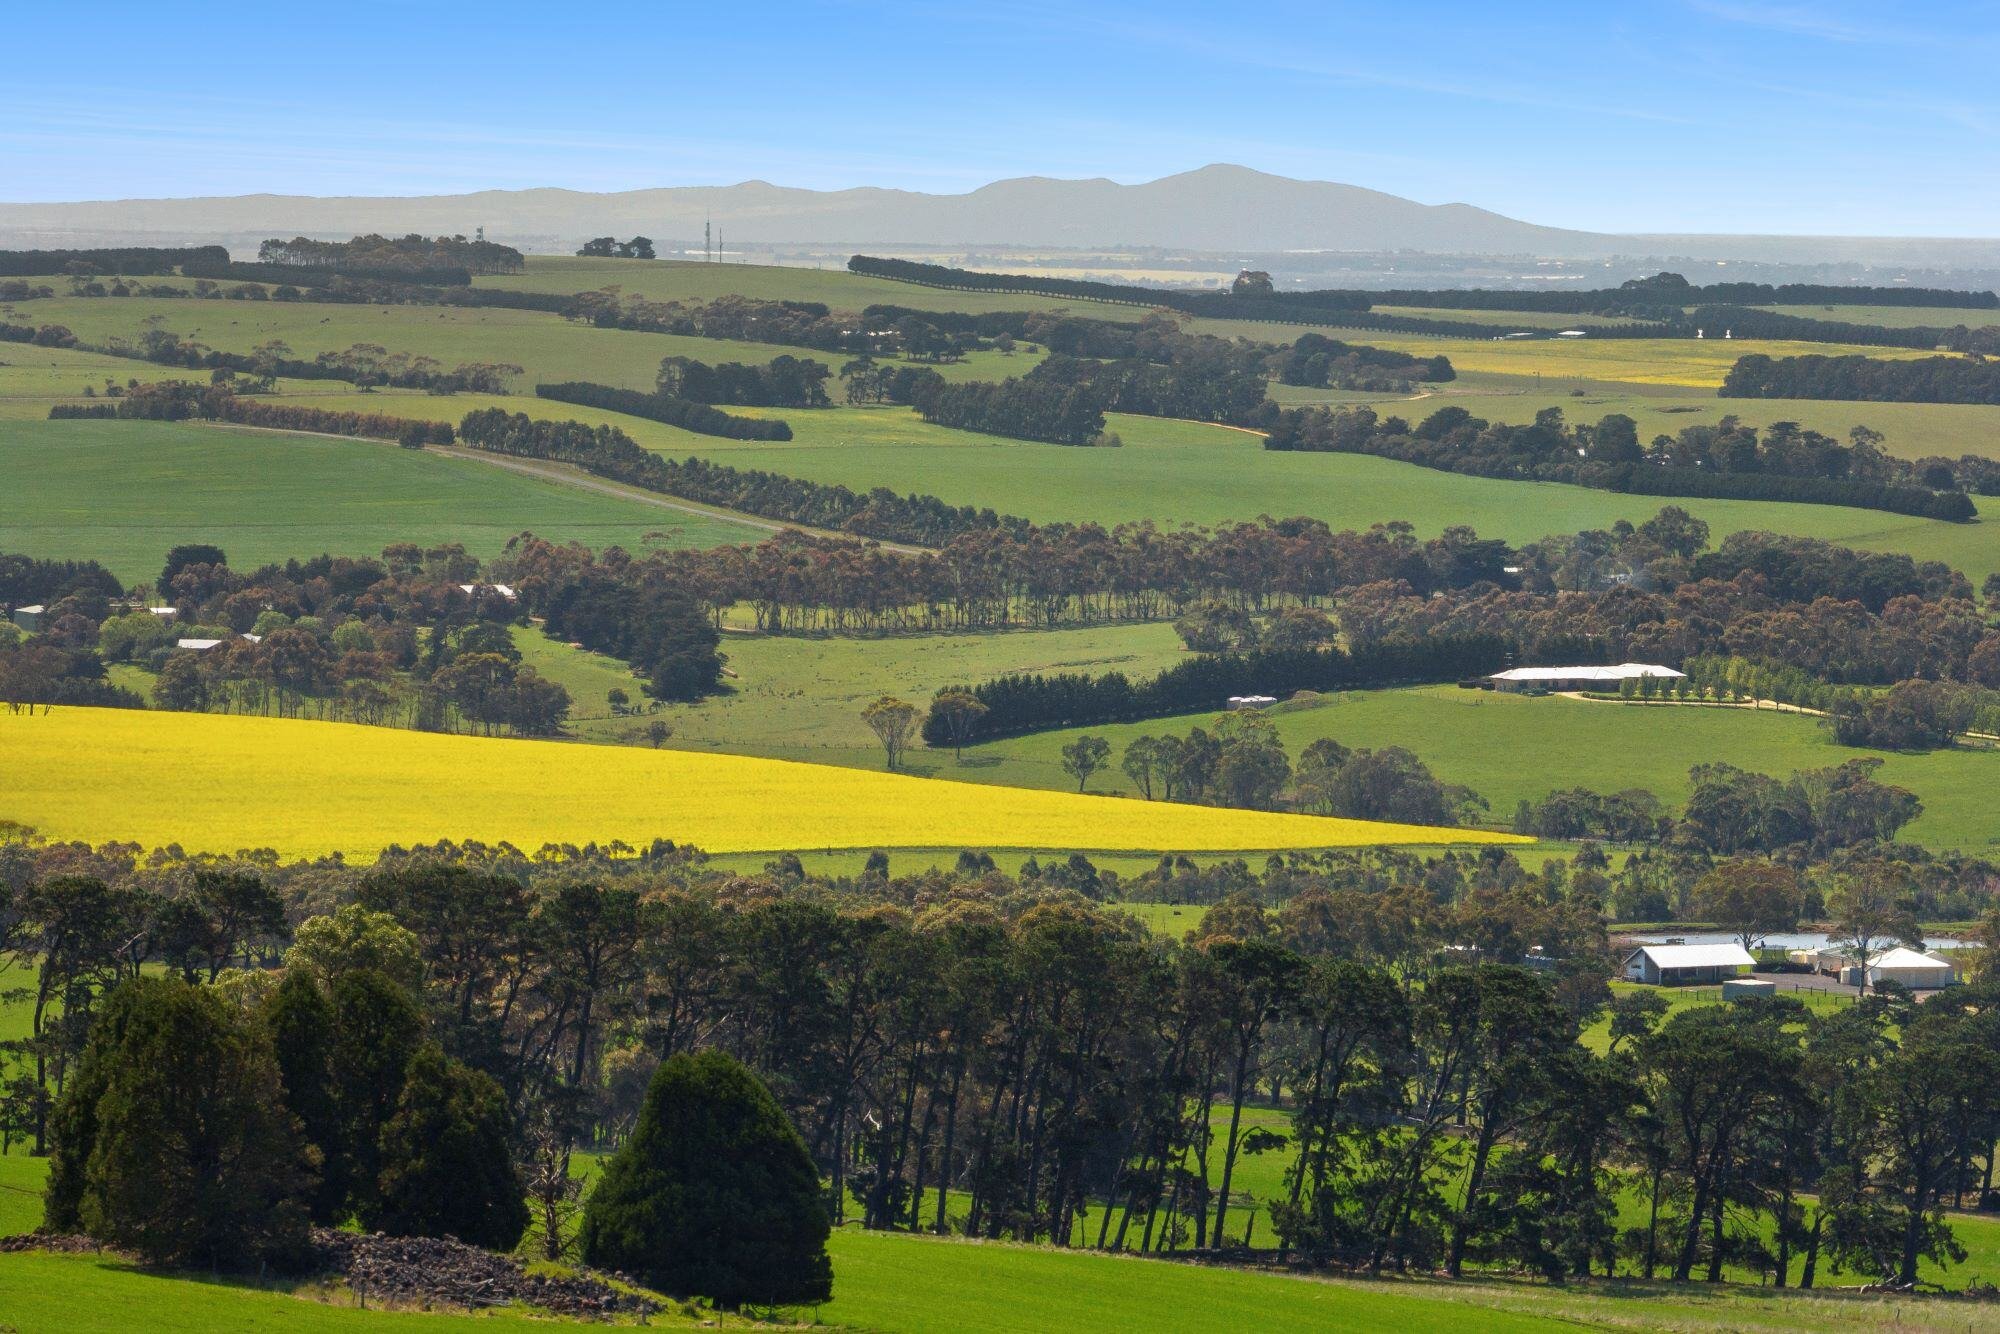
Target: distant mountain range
[{"x": 1221, "y": 209}]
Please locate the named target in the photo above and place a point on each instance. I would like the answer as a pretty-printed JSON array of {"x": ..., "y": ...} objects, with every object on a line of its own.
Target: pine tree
[
  {"x": 714, "y": 1194},
  {"x": 173, "y": 1139},
  {"x": 447, "y": 1167}
]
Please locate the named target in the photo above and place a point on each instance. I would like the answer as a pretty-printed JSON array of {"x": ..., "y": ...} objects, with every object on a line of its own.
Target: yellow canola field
[{"x": 215, "y": 783}]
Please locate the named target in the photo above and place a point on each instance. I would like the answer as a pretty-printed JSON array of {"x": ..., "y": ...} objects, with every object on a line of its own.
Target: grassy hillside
[
  {"x": 220, "y": 783},
  {"x": 1910, "y": 430},
  {"x": 546, "y": 345},
  {"x": 1511, "y": 748},
  {"x": 124, "y": 492},
  {"x": 798, "y": 698},
  {"x": 1174, "y": 472}
]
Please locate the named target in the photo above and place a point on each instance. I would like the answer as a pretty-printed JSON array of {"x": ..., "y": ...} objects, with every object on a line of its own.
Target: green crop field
[
  {"x": 1511, "y": 748},
  {"x": 1173, "y": 472},
  {"x": 124, "y": 492},
  {"x": 547, "y": 346}
]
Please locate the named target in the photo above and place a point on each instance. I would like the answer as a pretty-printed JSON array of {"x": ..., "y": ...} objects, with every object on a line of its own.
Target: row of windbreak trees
[
  {"x": 961, "y": 1053},
  {"x": 1033, "y": 703},
  {"x": 1726, "y": 460},
  {"x": 1867, "y": 379},
  {"x": 1041, "y": 576}
]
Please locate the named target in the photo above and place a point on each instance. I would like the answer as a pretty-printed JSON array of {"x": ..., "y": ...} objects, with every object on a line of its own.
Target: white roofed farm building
[
  {"x": 1912, "y": 969},
  {"x": 1686, "y": 965},
  {"x": 1539, "y": 679}
]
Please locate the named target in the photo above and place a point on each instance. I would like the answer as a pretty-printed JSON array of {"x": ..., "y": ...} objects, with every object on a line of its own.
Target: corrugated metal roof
[
  {"x": 1696, "y": 956},
  {"x": 1624, "y": 671}
]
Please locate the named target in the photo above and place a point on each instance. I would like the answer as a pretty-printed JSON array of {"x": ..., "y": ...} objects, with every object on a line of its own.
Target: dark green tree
[
  {"x": 299, "y": 1020},
  {"x": 447, "y": 1168},
  {"x": 376, "y": 1031},
  {"x": 714, "y": 1194},
  {"x": 174, "y": 1140}
]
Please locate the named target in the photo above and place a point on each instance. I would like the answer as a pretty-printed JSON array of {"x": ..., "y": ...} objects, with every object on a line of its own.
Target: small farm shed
[
  {"x": 1913, "y": 969},
  {"x": 1579, "y": 678},
  {"x": 29, "y": 618},
  {"x": 1686, "y": 965},
  {"x": 1747, "y": 988}
]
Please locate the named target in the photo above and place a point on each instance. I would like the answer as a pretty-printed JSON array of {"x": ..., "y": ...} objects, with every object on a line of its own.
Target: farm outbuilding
[
  {"x": 29, "y": 618},
  {"x": 1748, "y": 988},
  {"x": 1686, "y": 965},
  {"x": 1580, "y": 678},
  {"x": 1913, "y": 969}
]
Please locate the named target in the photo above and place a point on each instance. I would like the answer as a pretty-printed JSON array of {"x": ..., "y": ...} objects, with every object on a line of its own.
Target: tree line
[
  {"x": 784, "y": 382},
  {"x": 410, "y": 252},
  {"x": 315, "y": 279},
  {"x": 1725, "y": 460},
  {"x": 1971, "y": 379},
  {"x": 687, "y": 414},
  {"x": 1035, "y": 702},
  {"x": 180, "y": 400},
  {"x": 364, "y": 365},
  {"x": 109, "y": 259},
  {"x": 969, "y": 1052},
  {"x": 610, "y": 247},
  {"x": 608, "y": 452}
]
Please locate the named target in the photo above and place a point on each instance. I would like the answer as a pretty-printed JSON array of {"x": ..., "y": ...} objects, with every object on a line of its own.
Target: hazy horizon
[{"x": 1699, "y": 116}]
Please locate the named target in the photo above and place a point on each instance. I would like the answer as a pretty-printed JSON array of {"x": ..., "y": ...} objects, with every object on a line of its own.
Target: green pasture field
[
  {"x": 31, "y": 378},
  {"x": 123, "y": 492},
  {"x": 1173, "y": 472},
  {"x": 801, "y": 698},
  {"x": 547, "y": 346},
  {"x": 1909, "y": 430},
  {"x": 1511, "y": 748},
  {"x": 1896, "y": 317}
]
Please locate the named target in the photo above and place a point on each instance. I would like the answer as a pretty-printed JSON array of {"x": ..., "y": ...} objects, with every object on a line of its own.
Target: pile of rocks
[
  {"x": 65, "y": 1242},
  {"x": 398, "y": 1271}
]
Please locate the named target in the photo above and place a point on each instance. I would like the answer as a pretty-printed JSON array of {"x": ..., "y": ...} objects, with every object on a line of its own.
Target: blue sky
[{"x": 1693, "y": 115}]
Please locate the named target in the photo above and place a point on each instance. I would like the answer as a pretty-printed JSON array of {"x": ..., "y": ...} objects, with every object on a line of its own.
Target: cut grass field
[
  {"x": 1511, "y": 748},
  {"x": 222, "y": 783},
  {"x": 124, "y": 492}
]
